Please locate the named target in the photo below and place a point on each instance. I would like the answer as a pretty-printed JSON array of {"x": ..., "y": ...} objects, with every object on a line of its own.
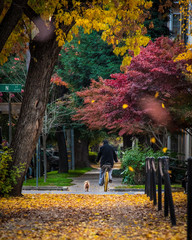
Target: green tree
[
  {"x": 87, "y": 57},
  {"x": 159, "y": 16}
]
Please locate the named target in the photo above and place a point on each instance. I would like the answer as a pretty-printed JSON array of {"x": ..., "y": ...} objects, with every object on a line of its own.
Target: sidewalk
[
  {"x": 78, "y": 185},
  {"x": 93, "y": 178}
]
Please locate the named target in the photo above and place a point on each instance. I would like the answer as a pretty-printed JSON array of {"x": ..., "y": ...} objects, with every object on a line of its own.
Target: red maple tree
[{"x": 143, "y": 95}]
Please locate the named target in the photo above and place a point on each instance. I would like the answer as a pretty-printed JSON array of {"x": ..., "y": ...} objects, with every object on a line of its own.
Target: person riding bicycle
[{"x": 107, "y": 156}]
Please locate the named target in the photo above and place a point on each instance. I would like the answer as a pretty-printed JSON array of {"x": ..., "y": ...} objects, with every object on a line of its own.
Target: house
[{"x": 178, "y": 21}]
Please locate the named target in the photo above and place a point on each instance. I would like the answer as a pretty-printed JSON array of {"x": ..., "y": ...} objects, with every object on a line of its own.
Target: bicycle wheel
[{"x": 106, "y": 180}]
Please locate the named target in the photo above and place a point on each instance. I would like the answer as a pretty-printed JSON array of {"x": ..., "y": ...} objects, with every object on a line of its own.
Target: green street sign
[{"x": 10, "y": 87}]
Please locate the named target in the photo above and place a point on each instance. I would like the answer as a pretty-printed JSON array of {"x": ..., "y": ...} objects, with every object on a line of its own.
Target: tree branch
[
  {"x": 36, "y": 19},
  {"x": 1, "y": 6},
  {"x": 10, "y": 20},
  {"x": 188, "y": 131}
]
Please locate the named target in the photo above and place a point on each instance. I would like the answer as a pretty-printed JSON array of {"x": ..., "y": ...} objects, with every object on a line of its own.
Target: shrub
[
  {"x": 133, "y": 162},
  {"x": 92, "y": 156},
  {"x": 8, "y": 177},
  {"x": 117, "y": 173}
]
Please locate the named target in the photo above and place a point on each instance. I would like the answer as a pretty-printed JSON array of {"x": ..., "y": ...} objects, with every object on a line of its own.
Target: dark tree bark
[
  {"x": 1, "y": 139},
  {"x": 1, "y": 6},
  {"x": 10, "y": 20},
  {"x": 81, "y": 153},
  {"x": 63, "y": 158},
  {"x": 43, "y": 59},
  {"x": 127, "y": 141}
]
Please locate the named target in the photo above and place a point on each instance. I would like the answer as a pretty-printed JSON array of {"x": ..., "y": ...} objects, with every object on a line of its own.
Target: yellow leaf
[
  {"x": 164, "y": 150},
  {"x": 152, "y": 140},
  {"x": 125, "y": 106},
  {"x": 163, "y": 105},
  {"x": 131, "y": 169},
  {"x": 156, "y": 94}
]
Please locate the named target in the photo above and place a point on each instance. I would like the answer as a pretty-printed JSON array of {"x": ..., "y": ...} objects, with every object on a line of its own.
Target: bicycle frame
[{"x": 106, "y": 169}]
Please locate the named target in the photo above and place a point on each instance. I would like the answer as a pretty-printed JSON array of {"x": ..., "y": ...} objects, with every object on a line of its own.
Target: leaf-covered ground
[{"x": 72, "y": 216}]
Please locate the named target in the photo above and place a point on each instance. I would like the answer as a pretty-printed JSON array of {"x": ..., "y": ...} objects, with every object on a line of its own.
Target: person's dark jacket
[{"x": 107, "y": 155}]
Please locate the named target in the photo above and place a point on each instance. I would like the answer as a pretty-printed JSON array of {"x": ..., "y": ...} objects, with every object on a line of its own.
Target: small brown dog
[{"x": 86, "y": 186}]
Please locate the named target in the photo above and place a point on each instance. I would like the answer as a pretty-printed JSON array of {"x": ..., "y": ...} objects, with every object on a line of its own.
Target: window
[{"x": 176, "y": 27}]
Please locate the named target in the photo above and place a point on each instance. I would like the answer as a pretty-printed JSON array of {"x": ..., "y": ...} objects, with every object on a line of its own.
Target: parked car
[{"x": 52, "y": 159}]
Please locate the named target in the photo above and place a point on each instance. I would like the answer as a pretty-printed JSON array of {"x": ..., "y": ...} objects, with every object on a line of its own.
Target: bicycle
[{"x": 106, "y": 169}]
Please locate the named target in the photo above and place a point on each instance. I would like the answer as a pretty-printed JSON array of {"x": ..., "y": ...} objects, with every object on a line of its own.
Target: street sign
[{"x": 10, "y": 87}]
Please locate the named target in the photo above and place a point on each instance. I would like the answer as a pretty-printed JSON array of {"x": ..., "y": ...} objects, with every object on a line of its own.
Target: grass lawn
[{"x": 57, "y": 179}]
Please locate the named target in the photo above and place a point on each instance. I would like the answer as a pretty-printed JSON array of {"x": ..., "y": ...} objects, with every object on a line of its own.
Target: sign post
[
  {"x": 10, "y": 121},
  {"x": 10, "y": 88}
]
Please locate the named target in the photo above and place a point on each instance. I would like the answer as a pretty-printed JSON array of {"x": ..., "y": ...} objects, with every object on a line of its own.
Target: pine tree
[
  {"x": 87, "y": 57},
  {"x": 159, "y": 16}
]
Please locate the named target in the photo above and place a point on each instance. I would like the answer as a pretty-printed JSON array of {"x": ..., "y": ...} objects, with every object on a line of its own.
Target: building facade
[{"x": 179, "y": 18}]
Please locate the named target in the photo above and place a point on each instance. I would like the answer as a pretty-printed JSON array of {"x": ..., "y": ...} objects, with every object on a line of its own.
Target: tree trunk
[
  {"x": 63, "y": 158},
  {"x": 43, "y": 59},
  {"x": 10, "y": 20},
  {"x": 1, "y": 139},
  {"x": 127, "y": 141},
  {"x": 81, "y": 154}
]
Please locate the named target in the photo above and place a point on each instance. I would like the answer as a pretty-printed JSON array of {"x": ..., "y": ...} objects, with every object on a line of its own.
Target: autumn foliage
[
  {"x": 120, "y": 21},
  {"x": 77, "y": 216},
  {"x": 55, "y": 79},
  {"x": 143, "y": 95}
]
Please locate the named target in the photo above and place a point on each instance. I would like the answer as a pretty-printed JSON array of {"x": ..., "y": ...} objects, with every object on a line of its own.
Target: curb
[
  {"x": 126, "y": 190},
  {"x": 140, "y": 190},
  {"x": 41, "y": 188}
]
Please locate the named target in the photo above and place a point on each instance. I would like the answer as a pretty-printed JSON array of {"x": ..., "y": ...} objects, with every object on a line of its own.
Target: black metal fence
[
  {"x": 189, "y": 199},
  {"x": 162, "y": 174},
  {"x": 150, "y": 185}
]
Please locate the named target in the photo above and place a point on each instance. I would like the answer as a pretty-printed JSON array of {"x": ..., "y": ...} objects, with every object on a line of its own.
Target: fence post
[
  {"x": 153, "y": 181},
  {"x": 168, "y": 192},
  {"x": 160, "y": 175},
  {"x": 189, "y": 200},
  {"x": 145, "y": 175},
  {"x": 166, "y": 202},
  {"x": 148, "y": 177}
]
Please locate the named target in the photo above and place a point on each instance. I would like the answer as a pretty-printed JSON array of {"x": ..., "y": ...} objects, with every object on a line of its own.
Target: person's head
[{"x": 105, "y": 142}]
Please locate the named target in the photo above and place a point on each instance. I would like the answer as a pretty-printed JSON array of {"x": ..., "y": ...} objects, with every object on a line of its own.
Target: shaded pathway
[{"x": 93, "y": 177}]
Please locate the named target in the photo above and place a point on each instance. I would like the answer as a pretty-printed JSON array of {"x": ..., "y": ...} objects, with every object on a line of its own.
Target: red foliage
[
  {"x": 58, "y": 80},
  {"x": 152, "y": 71}
]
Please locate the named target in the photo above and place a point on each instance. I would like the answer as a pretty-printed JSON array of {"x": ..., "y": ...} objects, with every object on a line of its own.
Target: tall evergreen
[
  {"x": 159, "y": 16},
  {"x": 87, "y": 57}
]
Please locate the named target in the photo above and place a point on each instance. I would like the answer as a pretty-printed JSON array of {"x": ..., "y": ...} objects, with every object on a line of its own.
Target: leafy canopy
[
  {"x": 120, "y": 21},
  {"x": 143, "y": 95},
  {"x": 86, "y": 57}
]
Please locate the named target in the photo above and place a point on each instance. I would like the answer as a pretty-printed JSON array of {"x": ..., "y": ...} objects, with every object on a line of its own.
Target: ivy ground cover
[{"x": 78, "y": 216}]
